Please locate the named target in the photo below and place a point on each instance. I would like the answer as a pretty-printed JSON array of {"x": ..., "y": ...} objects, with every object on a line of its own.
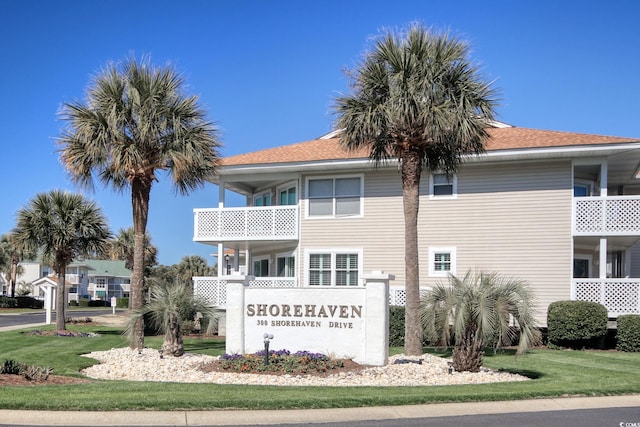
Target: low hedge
[
  {"x": 29, "y": 302},
  {"x": 396, "y": 326},
  {"x": 8, "y": 302},
  {"x": 628, "y": 336},
  {"x": 576, "y": 324}
]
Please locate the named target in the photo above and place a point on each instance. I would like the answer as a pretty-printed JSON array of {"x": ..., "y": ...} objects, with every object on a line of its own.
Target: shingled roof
[{"x": 502, "y": 138}]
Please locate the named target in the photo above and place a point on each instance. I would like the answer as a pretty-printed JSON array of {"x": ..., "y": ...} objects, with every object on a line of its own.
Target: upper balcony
[
  {"x": 606, "y": 216},
  {"x": 249, "y": 223}
]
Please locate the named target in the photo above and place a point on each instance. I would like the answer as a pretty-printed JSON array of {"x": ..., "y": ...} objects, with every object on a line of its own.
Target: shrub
[
  {"x": 576, "y": 324},
  {"x": 396, "y": 326},
  {"x": 99, "y": 303},
  {"x": 8, "y": 302},
  {"x": 628, "y": 336},
  {"x": 10, "y": 367},
  {"x": 122, "y": 302},
  {"x": 35, "y": 373},
  {"x": 282, "y": 361}
]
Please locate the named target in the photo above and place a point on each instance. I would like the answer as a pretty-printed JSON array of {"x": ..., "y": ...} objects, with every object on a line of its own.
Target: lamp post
[
  {"x": 267, "y": 338},
  {"x": 226, "y": 259}
]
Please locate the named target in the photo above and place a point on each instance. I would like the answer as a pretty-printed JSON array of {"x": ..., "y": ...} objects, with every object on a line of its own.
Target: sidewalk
[{"x": 225, "y": 417}]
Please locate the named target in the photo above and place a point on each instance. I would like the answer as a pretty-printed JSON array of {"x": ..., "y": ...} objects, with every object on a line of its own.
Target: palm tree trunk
[
  {"x": 61, "y": 324},
  {"x": 468, "y": 353},
  {"x": 411, "y": 170},
  {"x": 173, "y": 343},
  {"x": 140, "y": 190}
]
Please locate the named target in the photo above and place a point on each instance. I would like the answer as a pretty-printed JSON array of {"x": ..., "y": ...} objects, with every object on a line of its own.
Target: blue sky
[{"x": 267, "y": 73}]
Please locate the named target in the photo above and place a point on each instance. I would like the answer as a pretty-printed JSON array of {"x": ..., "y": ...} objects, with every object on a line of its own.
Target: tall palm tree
[
  {"x": 136, "y": 122},
  {"x": 478, "y": 310},
  {"x": 63, "y": 225},
  {"x": 416, "y": 97},
  {"x": 14, "y": 253}
]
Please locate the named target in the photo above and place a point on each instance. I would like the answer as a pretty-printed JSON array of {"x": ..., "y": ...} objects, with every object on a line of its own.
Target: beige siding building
[{"x": 558, "y": 210}]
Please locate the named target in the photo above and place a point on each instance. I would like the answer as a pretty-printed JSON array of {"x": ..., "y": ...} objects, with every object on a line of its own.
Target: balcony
[
  {"x": 250, "y": 223},
  {"x": 606, "y": 216},
  {"x": 73, "y": 279},
  {"x": 619, "y": 296},
  {"x": 214, "y": 289}
]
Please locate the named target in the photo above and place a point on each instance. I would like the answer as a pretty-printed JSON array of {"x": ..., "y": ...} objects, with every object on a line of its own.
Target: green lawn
[{"x": 555, "y": 373}]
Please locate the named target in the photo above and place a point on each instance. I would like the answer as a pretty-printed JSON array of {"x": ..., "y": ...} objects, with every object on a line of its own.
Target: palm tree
[
  {"x": 170, "y": 306},
  {"x": 190, "y": 266},
  {"x": 14, "y": 253},
  {"x": 416, "y": 98},
  {"x": 478, "y": 310},
  {"x": 63, "y": 225},
  {"x": 136, "y": 122},
  {"x": 121, "y": 247}
]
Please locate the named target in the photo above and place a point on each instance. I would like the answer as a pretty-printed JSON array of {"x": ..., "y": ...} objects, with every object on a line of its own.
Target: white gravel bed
[{"x": 127, "y": 364}]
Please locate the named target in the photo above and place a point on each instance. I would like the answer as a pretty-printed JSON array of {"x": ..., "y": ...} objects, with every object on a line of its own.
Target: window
[
  {"x": 286, "y": 266},
  {"x": 443, "y": 186},
  {"x": 262, "y": 199},
  {"x": 334, "y": 268},
  {"x": 261, "y": 267},
  {"x": 442, "y": 262},
  {"x": 335, "y": 196},
  {"x": 287, "y": 196}
]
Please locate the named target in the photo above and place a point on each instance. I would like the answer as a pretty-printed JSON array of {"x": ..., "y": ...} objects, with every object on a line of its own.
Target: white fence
[
  {"x": 618, "y": 215},
  {"x": 619, "y": 296},
  {"x": 253, "y": 223}
]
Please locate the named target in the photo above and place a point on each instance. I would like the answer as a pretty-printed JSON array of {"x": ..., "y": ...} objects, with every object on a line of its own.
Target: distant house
[
  {"x": 559, "y": 210},
  {"x": 86, "y": 279}
]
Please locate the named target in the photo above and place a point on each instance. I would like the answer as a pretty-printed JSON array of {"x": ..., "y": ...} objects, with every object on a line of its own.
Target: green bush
[
  {"x": 396, "y": 326},
  {"x": 628, "y": 336},
  {"x": 122, "y": 302},
  {"x": 83, "y": 302},
  {"x": 576, "y": 324},
  {"x": 8, "y": 302}
]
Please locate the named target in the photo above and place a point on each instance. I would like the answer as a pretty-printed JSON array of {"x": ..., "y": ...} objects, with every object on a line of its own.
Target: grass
[{"x": 555, "y": 373}]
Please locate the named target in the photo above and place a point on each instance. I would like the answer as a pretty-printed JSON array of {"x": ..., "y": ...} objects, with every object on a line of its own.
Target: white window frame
[
  {"x": 334, "y": 178},
  {"x": 287, "y": 186},
  {"x": 290, "y": 254},
  {"x": 261, "y": 258},
  {"x": 333, "y": 253},
  {"x": 432, "y": 261},
  {"x": 262, "y": 194},
  {"x": 453, "y": 181}
]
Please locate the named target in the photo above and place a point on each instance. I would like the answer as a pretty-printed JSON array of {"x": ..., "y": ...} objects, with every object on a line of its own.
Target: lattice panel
[
  {"x": 285, "y": 223},
  {"x": 397, "y": 296},
  {"x": 233, "y": 223},
  {"x": 610, "y": 215},
  {"x": 274, "y": 282},
  {"x": 623, "y": 215},
  {"x": 213, "y": 290},
  {"x": 207, "y": 223},
  {"x": 588, "y": 215},
  {"x": 622, "y": 297},
  {"x": 588, "y": 291},
  {"x": 260, "y": 223}
]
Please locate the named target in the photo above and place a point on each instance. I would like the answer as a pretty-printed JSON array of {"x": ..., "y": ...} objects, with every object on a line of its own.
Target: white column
[
  {"x": 234, "y": 328},
  {"x": 604, "y": 182},
  {"x": 603, "y": 259},
  {"x": 377, "y": 317}
]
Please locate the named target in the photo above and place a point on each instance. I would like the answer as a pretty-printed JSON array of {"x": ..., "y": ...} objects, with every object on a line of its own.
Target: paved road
[{"x": 39, "y": 316}]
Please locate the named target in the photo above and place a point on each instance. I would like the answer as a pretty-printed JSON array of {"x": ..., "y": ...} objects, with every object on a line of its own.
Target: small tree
[
  {"x": 171, "y": 305},
  {"x": 478, "y": 310}
]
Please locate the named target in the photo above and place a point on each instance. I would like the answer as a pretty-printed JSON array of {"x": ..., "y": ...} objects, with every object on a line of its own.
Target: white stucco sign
[{"x": 344, "y": 323}]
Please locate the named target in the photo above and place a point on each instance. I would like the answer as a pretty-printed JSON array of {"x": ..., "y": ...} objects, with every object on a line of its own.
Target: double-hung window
[
  {"x": 443, "y": 186},
  {"x": 335, "y": 197},
  {"x": 442, "y": 262},
  {"x": 334, "y": 268}
]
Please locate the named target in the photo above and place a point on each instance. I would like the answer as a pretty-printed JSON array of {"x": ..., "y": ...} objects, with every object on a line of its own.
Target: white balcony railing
[
  {"x": 619, "y": 296},
  {"x": 601, "y": 216},
  {"x": 251, "y": 223},
  {"x": 214, "y": 289},
  {"x": 73, "y": 279}
]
